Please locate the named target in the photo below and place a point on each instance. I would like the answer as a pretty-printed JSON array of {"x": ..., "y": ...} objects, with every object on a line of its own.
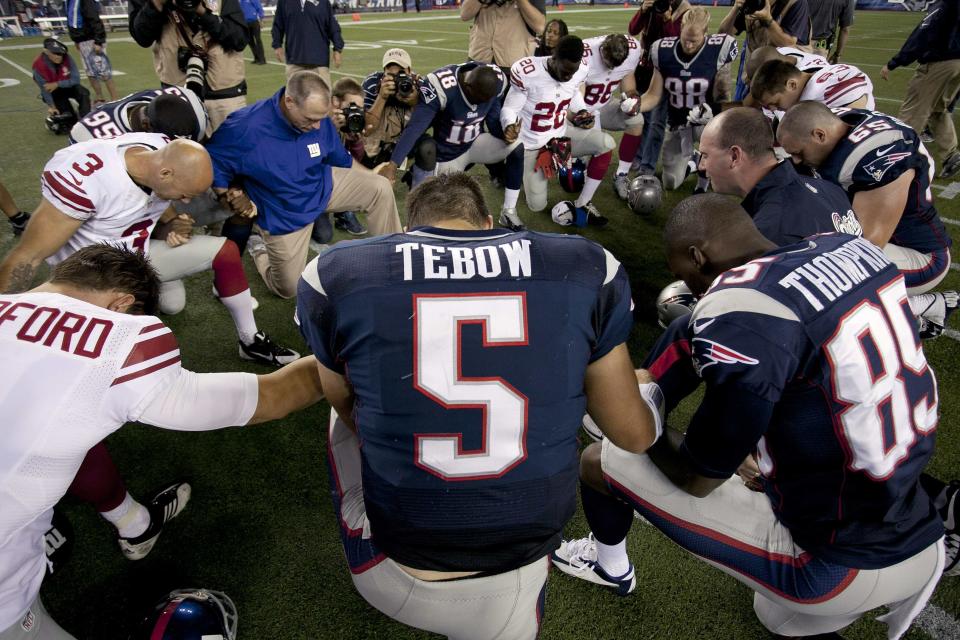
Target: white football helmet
[
  {"x": 645, "y": 194},
  {"x": 674, "y": 301}
]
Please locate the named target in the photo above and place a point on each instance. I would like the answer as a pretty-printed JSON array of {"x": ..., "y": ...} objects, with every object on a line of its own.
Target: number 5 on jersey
[{"x": 438, "y": 320}]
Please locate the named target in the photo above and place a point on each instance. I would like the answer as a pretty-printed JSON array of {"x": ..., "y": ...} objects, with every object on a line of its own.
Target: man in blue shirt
[
  {"x": 309, "y": 27},
  {"x": 253, "y": 14},
  {"x": 281, "y": 161}
]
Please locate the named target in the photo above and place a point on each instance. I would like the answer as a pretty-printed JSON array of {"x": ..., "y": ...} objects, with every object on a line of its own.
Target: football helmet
[
  {"x": 190, "y": 614},
  {"x": 60, "y": 123},
  {"x": 645, "y": 194},
  {"x": 571, "y": 176},
  {"x": 675, "y": 300}
]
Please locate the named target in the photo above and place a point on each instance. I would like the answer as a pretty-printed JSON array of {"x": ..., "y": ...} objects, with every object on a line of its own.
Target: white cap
[{"x": 397, "y": 56}]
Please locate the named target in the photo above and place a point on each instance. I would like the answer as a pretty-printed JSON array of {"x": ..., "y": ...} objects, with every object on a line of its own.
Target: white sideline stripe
[
  {"x": 27, "y": 73},
  {"x": 933, "y": 620},
  {"x": 954, "y": 266},
  {"x": 953, "y": 334},
  {"x": 950, "y": 221}
]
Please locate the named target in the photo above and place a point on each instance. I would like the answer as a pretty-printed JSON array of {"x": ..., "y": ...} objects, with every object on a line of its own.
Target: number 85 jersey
[
  {"x": 88, "y": 182},
  {"x": 689, "y": 83}
]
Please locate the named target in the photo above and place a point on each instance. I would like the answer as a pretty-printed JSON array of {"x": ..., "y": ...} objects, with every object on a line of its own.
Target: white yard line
[{"x": 13, "y": 64}]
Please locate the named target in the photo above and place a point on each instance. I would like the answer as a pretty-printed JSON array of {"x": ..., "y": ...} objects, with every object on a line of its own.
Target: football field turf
[{"x": 260, "y": 525}]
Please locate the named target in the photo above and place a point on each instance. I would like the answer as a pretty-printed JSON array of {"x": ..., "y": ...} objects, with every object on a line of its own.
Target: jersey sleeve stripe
[
  {"x": 152, "y": 327},
  {"x": 833, "y": 92},
  {"x": 151, "y": 348},
  {"x": 142, "y": 372},
  {"x": 69, "y": 197}
]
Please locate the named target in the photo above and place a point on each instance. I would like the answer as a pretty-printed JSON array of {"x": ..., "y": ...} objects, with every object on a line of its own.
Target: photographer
[
  {"x": 198, "y": 45},
  {"x": 389, "y": 97},
  {"x": 503, "y": 31},
  {"x": 782, "y": 23},
  {"x": 59, "y": 80}
]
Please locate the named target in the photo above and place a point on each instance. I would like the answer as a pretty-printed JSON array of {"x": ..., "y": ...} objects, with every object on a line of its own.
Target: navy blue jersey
[
  {"x": 877, "y": 151},
  {"x": 113, "y": 118},
  {"x": 456, "y": 121},
  {"x": 810, "y": 356},
  {"x": 466, "y": 351},
  {"x": 788, "y": 207},
  {"x": 692, "y": 82}
]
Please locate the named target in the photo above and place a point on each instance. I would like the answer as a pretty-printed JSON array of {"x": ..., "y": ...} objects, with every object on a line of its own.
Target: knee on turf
[
  {"x": 425, "y": 154},
  {"x": 173, "y": 297}
]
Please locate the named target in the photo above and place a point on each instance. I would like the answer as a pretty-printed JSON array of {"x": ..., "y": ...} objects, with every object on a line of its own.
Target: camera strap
[{"x": 183, "y": 29}]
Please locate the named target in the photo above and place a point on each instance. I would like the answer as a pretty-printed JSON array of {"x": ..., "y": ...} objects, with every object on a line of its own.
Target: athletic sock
[
  {"x": 510, "y": 198},
  {"x": 131, "y": 518},
  {"x": 240, "y": 306},
  {"x": 590, "y": 186},
  {"x": 613, "y": 558},
  {"x": 623, "y": 167}
]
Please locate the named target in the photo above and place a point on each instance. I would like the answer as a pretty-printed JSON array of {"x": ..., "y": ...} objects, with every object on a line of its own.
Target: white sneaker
[
  {"x": 592, "y": 429},
  {"x": 256, "y": 245},
  {"x": 164, "y": 506},
  {"x": 621, "y": 185},
  {"x": 510, "y": 219},
  {"x": 938, "y": 307},
  {"x": 578, "y": 558}
]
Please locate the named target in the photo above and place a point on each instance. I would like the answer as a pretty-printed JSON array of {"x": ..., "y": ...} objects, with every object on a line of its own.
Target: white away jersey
[
  {"x": 805, "y": 61},
  {"x": 839, "y": 85},
  {"x": 540, "y": 101},
  {"x": 601, "y": 81},
  {"x": 89, "y": 182},
  {"x": 74, "y": 373}
]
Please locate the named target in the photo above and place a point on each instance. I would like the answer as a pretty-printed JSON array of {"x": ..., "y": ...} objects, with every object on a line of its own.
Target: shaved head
[
  {"x": 708, "y": 234},
  {"x": 809, "y": 132},
  {"x": 183, "y": 170}
]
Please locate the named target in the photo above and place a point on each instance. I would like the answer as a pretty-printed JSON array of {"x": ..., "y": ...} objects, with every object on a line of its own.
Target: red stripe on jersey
[
  {"x": 148, "y": 370},
  {"x": 74, "y": 199},
  {"x": 152, "y": 327},
  {"x": 515, "y": 79},
  {"x": 150, "y": 349},
  {"x": 832, "y": 92}
]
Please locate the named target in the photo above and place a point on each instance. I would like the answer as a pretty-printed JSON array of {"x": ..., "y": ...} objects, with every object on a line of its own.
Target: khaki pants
[
  {"x": 323, "y": 72},
  {"x": 353, "y": 190},
  {"x": 930, "y": 91},
  {"x": 218, "y": 110}
]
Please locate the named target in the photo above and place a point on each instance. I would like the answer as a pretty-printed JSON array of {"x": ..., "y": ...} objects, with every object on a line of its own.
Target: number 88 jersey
[
  {"x": 601, "y": 80},
  {"x": 689, "y": 83},
  {"x": 88, "y": 182}
]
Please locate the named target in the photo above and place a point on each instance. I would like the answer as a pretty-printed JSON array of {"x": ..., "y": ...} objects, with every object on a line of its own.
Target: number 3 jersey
[
  {"x": 877, "y": 150},
  {"x": 89, "y": 182},
  {"x": 466, "y": 351},
  {"x": 113, "y": 118},
  {"x": 811, "y": 358},
  {"x": 540, "y": 101},
  {"x": 601, "y": 81},
  {"x": 690, "y": 82},
  {"x": 456, "y": 121}
]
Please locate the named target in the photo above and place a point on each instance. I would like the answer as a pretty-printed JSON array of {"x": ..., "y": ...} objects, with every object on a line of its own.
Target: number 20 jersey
[
  {"x": 543, "y": 112},
  {"x": 466, "y": 351},
  {"x": 813, "y": 350},
  {"x": 689, "y": 83},
  {"x": 88, "y": 181}
]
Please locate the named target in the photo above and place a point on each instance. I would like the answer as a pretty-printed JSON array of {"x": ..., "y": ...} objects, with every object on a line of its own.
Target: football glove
[
  {"x": 700, "y": 115},
  {"x": 582, "y": 119},
  {"x": 553, "y": 155}
]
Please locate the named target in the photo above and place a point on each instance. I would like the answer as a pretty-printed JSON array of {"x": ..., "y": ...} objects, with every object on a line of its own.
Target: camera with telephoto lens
[
  {"x": 354, "y": 119},
  {"x": 752, "y": 6},
  {"x": 404, "y": 84},
  {"x": 661, "y": 6},
  {"x": 498, "y": 3},
  {"x": 193, "y": 62}
]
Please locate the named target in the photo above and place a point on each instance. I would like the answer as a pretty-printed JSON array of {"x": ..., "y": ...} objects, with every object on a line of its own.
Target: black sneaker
[
  {"x": 951, "y": 164},
  {"x": 164, "y": 506},
  {"x": 266, "y": 351},
  {"x": 19, "y": 222},
  {"x": 347, "y": 221}
]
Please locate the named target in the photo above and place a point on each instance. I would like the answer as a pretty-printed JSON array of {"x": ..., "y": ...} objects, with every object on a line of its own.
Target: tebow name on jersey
[{"x": 463, "y": 263}]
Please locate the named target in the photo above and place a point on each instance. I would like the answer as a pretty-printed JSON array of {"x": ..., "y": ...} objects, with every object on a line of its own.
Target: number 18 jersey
[
  {"x": 88, "y": 181},
  {"x": 689, "y": 83}
]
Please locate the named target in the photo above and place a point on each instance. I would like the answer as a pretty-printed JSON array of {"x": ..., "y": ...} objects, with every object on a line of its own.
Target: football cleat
[
  {"x": 266, "y": 351},
  {"x": 578, "y": 558},
  {"x": 19, "y": 222},
  {"x": 164, "y": 506},
  {"x": 674, "y": 301},
  {"x": 951, "y": 164},
  {"x": 621, "y": 185},
  {"x": 951, "y": 540},
  {"x": 645, "y": 194},
  {"x": 510, "y": 219},
  {"x": 347, "y": 221},
  {"x": 594, "y": 217},
  {"x": 939, "y": 306}
]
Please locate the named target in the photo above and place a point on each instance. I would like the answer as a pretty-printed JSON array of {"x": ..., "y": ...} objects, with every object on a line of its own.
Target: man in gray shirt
[{"x": 825, "y": 15}]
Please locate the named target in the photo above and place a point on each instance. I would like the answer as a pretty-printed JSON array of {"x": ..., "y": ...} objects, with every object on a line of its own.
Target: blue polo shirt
[
  {"x": 787, "y": 207},
  {"x": 285, "y": 171}
]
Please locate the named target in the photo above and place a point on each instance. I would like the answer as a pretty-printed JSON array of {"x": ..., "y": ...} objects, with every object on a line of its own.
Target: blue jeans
[{"x": 654, "y": 126}]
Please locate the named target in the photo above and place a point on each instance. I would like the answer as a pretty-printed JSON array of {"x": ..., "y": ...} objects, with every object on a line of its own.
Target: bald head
[
  {"x": 481, "y": 84},
  {"x": 181, "y": 170},
  {"x": 809, "y": 132},
  {"x": 765, "y": 54},
  {"x": 708, "y": 234}
]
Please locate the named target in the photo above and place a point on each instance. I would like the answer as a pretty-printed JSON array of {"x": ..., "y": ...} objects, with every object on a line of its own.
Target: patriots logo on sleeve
[
  {"x": 879, "y": 165},
  {"x": 716, "y": 353},
  {"x": 428, "y": 92}
]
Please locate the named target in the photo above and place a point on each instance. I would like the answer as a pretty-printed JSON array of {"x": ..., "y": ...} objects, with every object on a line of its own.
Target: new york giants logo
[{"x": 716, "y": 353}]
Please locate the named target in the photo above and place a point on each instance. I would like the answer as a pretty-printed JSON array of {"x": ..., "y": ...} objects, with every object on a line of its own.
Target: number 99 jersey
[
  {"x": 690, "y": 83},
  {"x": 113, "y": 118},
  {"x": 88, "y": 181}
]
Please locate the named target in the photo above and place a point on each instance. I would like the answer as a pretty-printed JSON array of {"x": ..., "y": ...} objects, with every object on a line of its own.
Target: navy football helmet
[
  {"x": 571, "y": 176},
  {"x": 190, "y": 614}
]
